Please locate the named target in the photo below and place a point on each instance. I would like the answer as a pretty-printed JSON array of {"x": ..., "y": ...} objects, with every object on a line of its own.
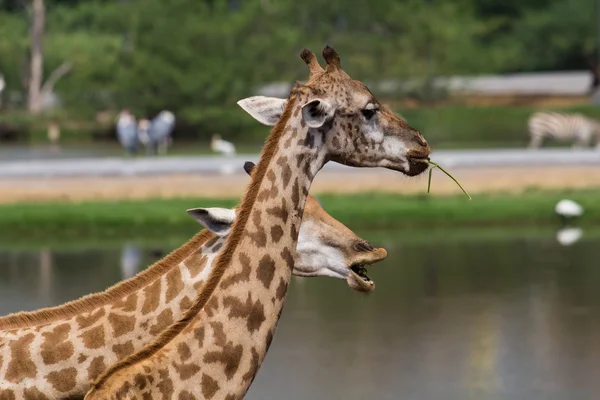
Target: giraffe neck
[
  {"x": 61, "y": 357},
  {"x": 216, "y": 350}
]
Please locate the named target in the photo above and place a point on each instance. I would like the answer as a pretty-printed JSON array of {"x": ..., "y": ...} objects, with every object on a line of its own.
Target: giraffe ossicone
[
  {"x": 216, "y": 349},
  {"x": 58, "y": 351}
]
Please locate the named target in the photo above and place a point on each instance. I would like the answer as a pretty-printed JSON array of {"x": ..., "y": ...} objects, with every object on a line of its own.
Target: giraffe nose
[{"x": 421, "y": 140}]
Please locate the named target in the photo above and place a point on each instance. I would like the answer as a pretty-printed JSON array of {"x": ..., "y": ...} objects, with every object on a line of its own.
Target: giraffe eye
[{"x": 368, "y": 113}]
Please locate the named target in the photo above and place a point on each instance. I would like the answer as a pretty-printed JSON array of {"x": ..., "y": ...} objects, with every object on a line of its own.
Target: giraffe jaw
[{"x": 357, "y": 277}]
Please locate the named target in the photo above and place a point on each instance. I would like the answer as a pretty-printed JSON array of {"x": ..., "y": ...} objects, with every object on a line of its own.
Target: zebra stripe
[{"x": 562, "y": 127}]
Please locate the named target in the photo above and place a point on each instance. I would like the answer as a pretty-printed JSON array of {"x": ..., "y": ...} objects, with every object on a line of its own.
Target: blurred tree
[{"x": 197, "y": 57}]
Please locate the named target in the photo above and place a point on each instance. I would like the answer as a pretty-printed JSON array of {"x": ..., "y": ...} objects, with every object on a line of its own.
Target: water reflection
[
  {"x": 131, "y": 257},
  {"x": 513, "y": 318},
  {"x": 569, "y": 235}
]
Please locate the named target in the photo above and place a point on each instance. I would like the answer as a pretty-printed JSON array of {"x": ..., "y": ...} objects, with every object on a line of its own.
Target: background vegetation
[{"x": 197, "y": 58}]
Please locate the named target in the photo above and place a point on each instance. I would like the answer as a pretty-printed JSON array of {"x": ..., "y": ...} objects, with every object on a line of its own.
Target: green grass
[{"x": 370, "y": 211}]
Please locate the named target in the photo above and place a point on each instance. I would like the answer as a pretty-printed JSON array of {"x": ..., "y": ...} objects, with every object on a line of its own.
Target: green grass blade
[{"x": 435, "y": 165}]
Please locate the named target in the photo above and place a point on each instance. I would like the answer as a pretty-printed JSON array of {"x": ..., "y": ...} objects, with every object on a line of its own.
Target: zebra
[{"x": 559, "y": 126}]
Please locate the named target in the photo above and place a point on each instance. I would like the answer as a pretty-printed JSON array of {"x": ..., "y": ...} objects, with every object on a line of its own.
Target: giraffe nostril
[{"x": 362, "y": 246}]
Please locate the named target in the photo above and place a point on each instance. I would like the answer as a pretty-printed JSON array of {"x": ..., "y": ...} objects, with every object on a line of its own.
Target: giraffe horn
[
  {"x": 311, "y": 60},
  {"x": 332, "y": 58}
]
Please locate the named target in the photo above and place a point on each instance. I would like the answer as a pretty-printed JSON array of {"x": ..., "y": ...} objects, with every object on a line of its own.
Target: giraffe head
[
  {"x": 326, "y": 247},
  {"x": 346, "y": 120}
]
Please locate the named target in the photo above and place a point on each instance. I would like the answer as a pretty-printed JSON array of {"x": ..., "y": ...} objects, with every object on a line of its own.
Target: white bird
[
  {"x": 2, "y": 83},
  {"x": 222, "y": 146},
  {"x": 568, "y": 209},
  {"x": 568, "y": 236}
]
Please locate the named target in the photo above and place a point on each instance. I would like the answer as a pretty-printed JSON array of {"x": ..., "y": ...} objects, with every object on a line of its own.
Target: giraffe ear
[
  {"x": 216, "y": 220},
  {"x": 266, "y": 110},
  {"x": 316, "y": 112},
  {"x": 249, "y": 167}
]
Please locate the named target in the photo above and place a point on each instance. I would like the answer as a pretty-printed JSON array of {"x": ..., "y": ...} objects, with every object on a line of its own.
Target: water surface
[{"x": 454, "y": 316}]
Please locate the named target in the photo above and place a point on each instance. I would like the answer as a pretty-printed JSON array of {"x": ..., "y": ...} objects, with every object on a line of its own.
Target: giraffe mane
[
  {"x": 90, "y": 302},
  {"x": 224, "y": 259}
]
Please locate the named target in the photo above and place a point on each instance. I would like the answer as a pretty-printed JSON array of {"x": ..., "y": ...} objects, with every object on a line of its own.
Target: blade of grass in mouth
[{"x": 436, "y": 165}]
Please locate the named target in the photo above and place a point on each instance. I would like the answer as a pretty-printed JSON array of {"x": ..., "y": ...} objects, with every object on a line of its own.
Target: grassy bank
[{"x": 154, "y": 218}]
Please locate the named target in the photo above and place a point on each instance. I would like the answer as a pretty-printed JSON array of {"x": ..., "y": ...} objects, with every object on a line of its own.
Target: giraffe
[
  {"x": 55, "y": 353},
  {"x": 216, "y": 349}
]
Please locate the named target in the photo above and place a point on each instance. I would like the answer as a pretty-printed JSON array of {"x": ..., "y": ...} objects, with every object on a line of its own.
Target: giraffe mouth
[
  {"x": 357, "y": 276},
  {"x": 361, "y": 271}
]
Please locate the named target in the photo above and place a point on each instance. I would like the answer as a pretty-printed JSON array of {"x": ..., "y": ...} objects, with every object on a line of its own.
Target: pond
[{"x": 478, "y": 314}]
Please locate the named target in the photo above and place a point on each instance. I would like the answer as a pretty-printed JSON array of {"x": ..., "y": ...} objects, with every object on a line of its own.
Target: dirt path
[{"x": 505, "y": 179}]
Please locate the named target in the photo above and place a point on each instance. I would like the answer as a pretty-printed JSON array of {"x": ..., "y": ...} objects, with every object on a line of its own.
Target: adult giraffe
[
  {"x": 214, "y": 352},
  {"x": 55, "y": 353}
]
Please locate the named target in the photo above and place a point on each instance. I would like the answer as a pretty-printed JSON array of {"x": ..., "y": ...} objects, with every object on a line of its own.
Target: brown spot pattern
[
  {"x": 97, "y": 366},
  {"x": 163, "y": 320},
  {"x": 212, "y": 306},
  {"x": 242, "y": 276},
  {"x": 254, "y": 312},
  {"x": 20, "y": 366},
  {"x": 279, "y": 212},
  {"x": 184, "y": 351},
  {"x": 295, "y": 194},
  {"x": 151, "y": 297},
  {"x": 286, "y": 171},
  {"x": 266, "y": 270},
  {"x": 281, "y": 289},
  {"x": 218, "y": 333},
  {"x": 140, "y": 381},
  {"x": 209, "y": 386},
  {"x": 259, "y": 237},
  {"x": 196, "y": 264},
  {"x": 254, "y": 364},
  {"x": 199, "y": 335},
  {"x": 127, "y": 304},
  {"x": 123, "y": 350},
  {"x": 229, "y": 356},
  {"x": 63, "y": 380},
  {"x": 287, "y": 256},
  {"x": 121, "y": 324},
  {"x": 185, "y": 304},
  {"x": 186, "y": 371},
  {"x": 165, "y": 385},
  {"x": 276, "y": 233},
  {"x": 7, "y": 395},
  {"x": 33, "y": 394},
  {"x": 211, "y": 242},
  {"x": 185, "y": 395},
  {"x": 87, "y": 320},
  {"x": 93, "y": 338}
]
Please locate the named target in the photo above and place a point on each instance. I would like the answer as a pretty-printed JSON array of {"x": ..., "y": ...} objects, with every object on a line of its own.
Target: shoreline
[
  {"x": 362, "y": 211},
  {"x": 476, "y": 180}
]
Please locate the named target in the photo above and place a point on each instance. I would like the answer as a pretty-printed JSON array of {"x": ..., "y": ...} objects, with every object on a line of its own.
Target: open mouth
[{"x": 361, "y": 271}]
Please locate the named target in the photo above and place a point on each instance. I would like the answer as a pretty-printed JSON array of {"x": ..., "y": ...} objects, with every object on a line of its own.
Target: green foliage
[{"x": 198, "y": 57}]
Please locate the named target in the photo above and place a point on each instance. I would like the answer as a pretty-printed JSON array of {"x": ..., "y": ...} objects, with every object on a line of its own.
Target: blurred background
[{"x": 118, "y": 115}]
